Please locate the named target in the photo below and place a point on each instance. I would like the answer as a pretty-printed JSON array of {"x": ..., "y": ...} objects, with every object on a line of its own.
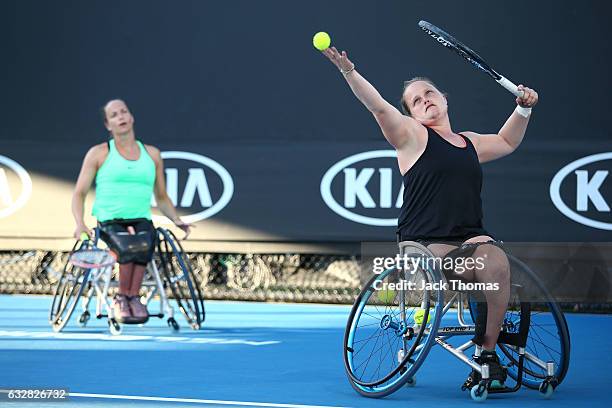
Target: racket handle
[{"x": 509, "y": 85}]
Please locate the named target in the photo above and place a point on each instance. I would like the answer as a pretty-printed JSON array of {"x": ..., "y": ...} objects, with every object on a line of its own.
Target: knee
[{"x": 494, "y": 262}]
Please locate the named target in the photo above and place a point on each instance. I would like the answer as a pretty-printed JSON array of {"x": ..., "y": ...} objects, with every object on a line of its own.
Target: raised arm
[
  {"x": 396, "y": 128},
  {"x": 510, "y": 136}
]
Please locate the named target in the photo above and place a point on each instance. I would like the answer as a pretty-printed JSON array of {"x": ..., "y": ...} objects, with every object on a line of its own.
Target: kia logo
[
  {"x": 589, "y": 186},
  {"x": 370, "y": 195},
  {"x": 196, "y": 181},
  {"x": 15, "y": 186}
]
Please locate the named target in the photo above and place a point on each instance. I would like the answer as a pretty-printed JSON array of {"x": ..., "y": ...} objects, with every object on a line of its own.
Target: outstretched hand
[{"x": 339, "y": 59}]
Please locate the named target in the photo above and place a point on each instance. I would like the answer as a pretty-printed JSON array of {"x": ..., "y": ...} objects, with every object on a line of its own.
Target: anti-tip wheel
[
  {"x": 173, "y": 325},
  {"x": 479, "y": 393},
  {"x": 114, "y": 327},
  {"x": 546, "y": 389},
  {"x": 411, "y": 382},
  {"x": 84, "y": 318}
]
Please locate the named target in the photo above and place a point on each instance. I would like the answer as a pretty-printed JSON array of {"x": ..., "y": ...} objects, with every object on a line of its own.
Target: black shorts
[
  {"x": 456, "y": 241},
  {"x": 463, "y": 250},
  {"x": 137, "y": 248}
]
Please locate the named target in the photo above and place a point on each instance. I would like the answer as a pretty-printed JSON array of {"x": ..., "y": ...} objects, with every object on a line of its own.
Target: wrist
[
  {"x": 524, "y": 112},
  {"x": 348, "y": 71}
]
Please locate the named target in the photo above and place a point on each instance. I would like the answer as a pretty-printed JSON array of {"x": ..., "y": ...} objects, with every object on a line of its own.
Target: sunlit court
[{"x": 305, "y": 204}]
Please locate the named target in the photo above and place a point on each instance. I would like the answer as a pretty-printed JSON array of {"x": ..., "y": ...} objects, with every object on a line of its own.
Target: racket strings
[{"x": 92, "y": 258}]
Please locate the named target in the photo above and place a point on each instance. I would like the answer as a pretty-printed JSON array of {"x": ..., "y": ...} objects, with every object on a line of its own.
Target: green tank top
[{"x": 124, "y": 187}]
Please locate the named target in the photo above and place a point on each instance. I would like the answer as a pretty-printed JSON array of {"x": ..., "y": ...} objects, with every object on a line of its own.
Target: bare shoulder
[
  {"x": 153, "y": 152},
  {"x": 100, "y": 148},
  {"x": 410, "y": 136},
  {"x": 473, "y": 136},
  {"x": 409, "y": 152},
  {"x": 469, "y": 134},
  {"x": 97, "y": 154}
]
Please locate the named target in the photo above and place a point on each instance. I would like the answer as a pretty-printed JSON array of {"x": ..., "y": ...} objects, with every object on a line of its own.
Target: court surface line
[
  {"x": 127, "y": 338},
  {"x": 196, "y": 401}
]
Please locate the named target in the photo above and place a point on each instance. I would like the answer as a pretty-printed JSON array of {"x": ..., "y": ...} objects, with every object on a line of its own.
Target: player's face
[
  {"x": 426, "y": 103},
  {"x": 119, "y": 120}
]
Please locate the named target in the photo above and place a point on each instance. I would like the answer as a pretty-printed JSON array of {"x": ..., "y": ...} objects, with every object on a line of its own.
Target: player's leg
[
  {"x": 487, "y": 264},
  {"x": 495, "y": 271},
  {"x": 116, "y": 236},
  {"x": 491, "y": 267},
  {"x": 126, "y": 271},
  {"x": 144, "y": 245}
]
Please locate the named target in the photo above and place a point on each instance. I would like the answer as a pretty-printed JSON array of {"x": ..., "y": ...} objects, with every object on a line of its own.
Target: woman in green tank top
[{"x": 127, "y": 173}]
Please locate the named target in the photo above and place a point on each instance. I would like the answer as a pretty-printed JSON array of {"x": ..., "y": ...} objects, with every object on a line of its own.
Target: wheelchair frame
[
  {"x": 99, "y": 281},
  {"x": 508, "y": 341}
]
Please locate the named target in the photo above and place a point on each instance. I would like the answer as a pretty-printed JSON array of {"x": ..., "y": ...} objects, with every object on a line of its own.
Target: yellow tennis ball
[
  {"x": 386, "y": 296},
  {"x": 321, "y": 41},
  {"x": 419, "y": 315}
]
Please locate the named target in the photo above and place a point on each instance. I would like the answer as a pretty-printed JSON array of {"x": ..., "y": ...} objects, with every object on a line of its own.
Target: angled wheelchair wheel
[
  {"x": 178, "y": 275},
  {"x": 548, "y": 336},
  {"x": 391, "y": 328},
  {"x": 548, "y": 339},
  {"x": 68, "y": 291}
]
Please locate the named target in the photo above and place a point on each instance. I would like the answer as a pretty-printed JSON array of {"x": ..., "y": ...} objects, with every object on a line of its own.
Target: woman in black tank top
[
  {"x": 442, "y": 182},
  {"x": 446, "y": 180}
]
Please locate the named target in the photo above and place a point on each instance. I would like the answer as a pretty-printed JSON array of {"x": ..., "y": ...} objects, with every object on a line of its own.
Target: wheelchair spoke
[
  {"x": 548, "y": 349},
  {"x": 547, "y": 335},
  {"x": 382, "y": 330},
  {"x": 367, "y": 361},
  {"x": 547, "y": 331},
  {"x": 368, "y": 339}
]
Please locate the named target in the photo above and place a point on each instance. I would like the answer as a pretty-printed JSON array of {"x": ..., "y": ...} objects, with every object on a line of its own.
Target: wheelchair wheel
[
  {"x": 383, "y": 344},
  {"x": 179, "y": 276},
  {"x": 68, "y": 291},
  {"x": 548, "y": 337}
]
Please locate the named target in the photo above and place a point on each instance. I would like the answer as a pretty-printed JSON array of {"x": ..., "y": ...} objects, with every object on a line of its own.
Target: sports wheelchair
[
  {"x": 390, "y": 333},
  {"x": 169, "y": 271}
]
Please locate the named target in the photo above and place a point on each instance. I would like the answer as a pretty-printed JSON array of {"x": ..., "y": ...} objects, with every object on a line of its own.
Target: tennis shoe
[
  {"x": 121, "y": 309},
  {"x": 139, "y": 311}
]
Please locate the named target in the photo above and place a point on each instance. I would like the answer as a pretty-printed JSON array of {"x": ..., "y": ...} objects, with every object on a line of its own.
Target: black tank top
[{"x": 442, "y": 193}]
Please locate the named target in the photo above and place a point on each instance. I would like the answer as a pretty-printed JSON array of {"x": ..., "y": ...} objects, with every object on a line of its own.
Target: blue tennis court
[{"x": 249, "y": 354}]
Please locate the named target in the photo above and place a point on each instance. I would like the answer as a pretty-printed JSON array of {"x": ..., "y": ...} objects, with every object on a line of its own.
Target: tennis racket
[
  {"x": 92, "y": 258},
  {"x": 450, "y": 42},
  {"x": 89, "y": 257}
]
